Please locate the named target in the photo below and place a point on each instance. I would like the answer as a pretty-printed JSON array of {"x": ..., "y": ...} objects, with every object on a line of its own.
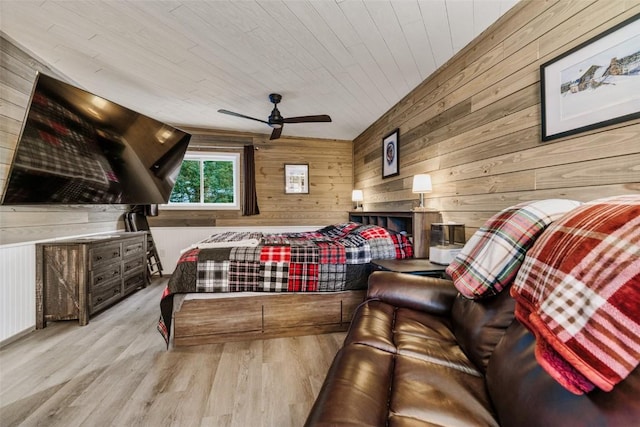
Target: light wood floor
[{"x": 116, "y": 371}]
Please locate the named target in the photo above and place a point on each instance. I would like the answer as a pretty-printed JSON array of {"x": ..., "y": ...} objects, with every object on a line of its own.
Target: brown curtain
[{"x": 250, "y": 202}]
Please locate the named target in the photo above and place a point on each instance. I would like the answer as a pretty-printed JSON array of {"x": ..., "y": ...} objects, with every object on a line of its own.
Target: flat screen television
[{"x": 79, "y": 148}]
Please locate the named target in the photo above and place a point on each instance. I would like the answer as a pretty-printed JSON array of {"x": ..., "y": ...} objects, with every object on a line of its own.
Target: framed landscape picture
[
  {"x": 595, "y": 84},
  {"x": 390, "y": 154}
]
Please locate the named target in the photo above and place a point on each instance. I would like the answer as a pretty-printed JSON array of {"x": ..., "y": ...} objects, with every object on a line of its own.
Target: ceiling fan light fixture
[
  {"x": 275, "y": 116},
  {"x": 276, "y": 121}
]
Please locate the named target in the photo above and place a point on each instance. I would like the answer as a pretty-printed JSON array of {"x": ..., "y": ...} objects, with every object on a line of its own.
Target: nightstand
[{"x": 417, "y": 266}]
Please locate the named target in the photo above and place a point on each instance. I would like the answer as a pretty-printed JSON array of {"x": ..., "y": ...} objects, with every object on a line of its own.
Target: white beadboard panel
[
  {"x": 410, "y": 19},
  {"x": 171, "y": 240},
  {"x": 460, "y": 14},
  {"x": 436, "y": 23},
  {"x": 387, "y": 23},
  {"x": 180, "y": 61},
  {"x": 17, "y": 290}
]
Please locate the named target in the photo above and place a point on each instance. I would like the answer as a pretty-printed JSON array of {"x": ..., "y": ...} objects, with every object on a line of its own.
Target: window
[{"x": 207, "y": 181}]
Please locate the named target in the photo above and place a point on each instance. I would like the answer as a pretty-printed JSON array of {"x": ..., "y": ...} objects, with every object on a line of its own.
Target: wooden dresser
[{"x": 76, "y": 278}]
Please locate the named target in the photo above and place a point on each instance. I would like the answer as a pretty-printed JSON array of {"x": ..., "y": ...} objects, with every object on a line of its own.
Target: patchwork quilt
[{"x": 333, "y": 258}]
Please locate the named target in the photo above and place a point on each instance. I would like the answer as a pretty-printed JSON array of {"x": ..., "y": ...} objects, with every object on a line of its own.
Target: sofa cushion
[
  {"x": 366, "y": 386},
  {"x": 372, "y": 325},
  {"x": 404, "y": 365},
  {"x": 403, "y": 331},
  {"x": 355, "y": 390},
  {"x": 491, "y": 258},
  {"x": 419, "y": 293},
  {"x": 424, "y": 394},
  {"x": 426, "y": 337},
  {"x": 479, "y": 325},
  {"x": 524, "y": 395}
]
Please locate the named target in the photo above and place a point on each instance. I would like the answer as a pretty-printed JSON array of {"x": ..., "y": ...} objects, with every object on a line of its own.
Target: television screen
[{"x": 79, "y": 148}]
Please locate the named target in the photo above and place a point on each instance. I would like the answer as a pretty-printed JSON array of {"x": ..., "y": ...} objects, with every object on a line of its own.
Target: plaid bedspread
[{"x": 333, "y": 258}]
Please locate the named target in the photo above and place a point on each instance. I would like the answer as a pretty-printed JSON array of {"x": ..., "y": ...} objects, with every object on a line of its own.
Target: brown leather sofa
[{"x": 418, "y": 354}]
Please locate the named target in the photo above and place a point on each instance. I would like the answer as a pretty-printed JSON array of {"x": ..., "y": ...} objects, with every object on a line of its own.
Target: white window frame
[{"x": 234, "y": 158}]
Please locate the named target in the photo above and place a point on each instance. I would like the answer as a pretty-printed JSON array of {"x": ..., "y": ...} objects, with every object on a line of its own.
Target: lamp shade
[
  {"x": 422, "y": 183},
  {"x": 357, "y": 196}
]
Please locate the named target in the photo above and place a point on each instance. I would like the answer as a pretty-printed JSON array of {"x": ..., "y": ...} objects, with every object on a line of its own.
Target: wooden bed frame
[{"x": 216, "y": 318}]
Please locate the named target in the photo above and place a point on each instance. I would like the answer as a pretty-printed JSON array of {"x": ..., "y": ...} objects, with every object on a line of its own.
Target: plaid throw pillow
[{"x": 491, "y": 258}]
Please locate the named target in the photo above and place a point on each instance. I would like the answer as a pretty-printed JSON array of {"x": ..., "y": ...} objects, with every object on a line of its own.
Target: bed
[{"x": 243, "y": 285}]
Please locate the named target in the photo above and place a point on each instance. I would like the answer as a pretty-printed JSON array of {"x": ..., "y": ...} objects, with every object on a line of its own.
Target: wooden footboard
[{"x": 239, "y": 318}]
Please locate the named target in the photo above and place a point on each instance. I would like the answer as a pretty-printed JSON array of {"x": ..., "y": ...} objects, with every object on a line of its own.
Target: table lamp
[
  {"x": 422, "y": 184},
  {"x": 357, "y": 196}
]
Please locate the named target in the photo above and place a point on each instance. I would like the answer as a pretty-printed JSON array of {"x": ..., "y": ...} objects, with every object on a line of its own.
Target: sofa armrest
[{"x": 422, "y": 293}]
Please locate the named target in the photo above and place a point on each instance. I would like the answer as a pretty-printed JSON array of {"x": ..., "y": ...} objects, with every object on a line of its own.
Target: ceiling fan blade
[
  {"x": 276, "y": 133},
  {"x": 307, "y": 119},
  {"x": 231, "y": 113}
]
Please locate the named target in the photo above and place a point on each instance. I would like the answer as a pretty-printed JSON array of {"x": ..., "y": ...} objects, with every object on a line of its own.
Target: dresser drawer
[
  {"x": 102, "y": 255},
  {"x": 102, "y": 296},
  {"x": 132, "y": 247},
  {"x": 132, "y": 264},
  {"x": 105, "y": 274},
  {"x": 134, "y": 281}
]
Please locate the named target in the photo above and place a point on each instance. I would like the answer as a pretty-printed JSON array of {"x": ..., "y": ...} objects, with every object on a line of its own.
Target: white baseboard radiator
[{"x": 17, "y": 290}]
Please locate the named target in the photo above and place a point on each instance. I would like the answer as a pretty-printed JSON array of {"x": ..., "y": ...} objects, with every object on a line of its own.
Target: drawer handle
[
  {"x": 99, "y": 299},
  {"x": 115, "y": 273},
  {"x": 116, "y": 253},
  {"x": 98, "y": 258},
  {"x": 98, "y": 279},
  {"x": 116, "y": 291}
]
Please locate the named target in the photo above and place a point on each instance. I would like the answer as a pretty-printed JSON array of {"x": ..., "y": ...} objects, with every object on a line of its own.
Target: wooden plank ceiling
[{"x": 181, "y": 61}]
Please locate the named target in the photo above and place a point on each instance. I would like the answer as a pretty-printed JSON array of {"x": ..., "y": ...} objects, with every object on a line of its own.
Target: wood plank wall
[
  {"x": 330, "y": 182},
  {"x": 21, "y": 223},
  {"x": 475, "y": 124}
]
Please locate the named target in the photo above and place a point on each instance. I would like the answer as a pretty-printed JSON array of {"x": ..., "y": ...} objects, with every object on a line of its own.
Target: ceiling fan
[{"x": 276, "y": 121}]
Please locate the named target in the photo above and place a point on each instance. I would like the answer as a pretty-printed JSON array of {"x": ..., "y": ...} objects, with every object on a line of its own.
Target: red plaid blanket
[{"x": 578, "y": 291}]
